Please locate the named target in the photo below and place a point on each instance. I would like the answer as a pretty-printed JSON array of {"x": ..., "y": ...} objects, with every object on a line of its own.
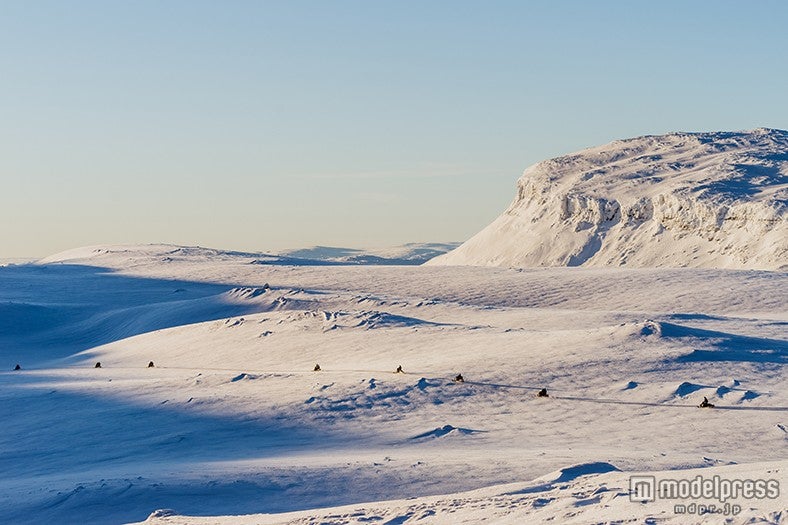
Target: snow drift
[{"x": 713, "y": 200}]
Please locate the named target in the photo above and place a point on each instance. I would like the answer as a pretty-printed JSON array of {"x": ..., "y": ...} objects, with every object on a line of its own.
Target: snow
[
  {"x": 411, "y": 253},
  {"x": 407, "y": 254},
  {"x": 701, "y": 200},
  {"x": 585, "y": 493},
  {"x": 233, "y": 426}
]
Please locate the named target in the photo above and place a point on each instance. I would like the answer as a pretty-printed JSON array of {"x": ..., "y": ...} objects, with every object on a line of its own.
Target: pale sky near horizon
[{"x": 270, "y": 125}]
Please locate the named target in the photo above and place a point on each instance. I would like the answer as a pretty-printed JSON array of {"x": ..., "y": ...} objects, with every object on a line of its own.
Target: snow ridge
[{"x": 712, "y": 200}]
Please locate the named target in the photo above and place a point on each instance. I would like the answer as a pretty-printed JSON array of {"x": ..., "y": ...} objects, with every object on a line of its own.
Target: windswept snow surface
[
  {"x": 585, "y": 493},
  {"x": 232, "y": 425},
  {"x": 701, "y": 200}
]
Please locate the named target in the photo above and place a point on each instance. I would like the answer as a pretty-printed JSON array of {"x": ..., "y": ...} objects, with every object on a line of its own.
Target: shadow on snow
[{"x": 54, "y": 311}]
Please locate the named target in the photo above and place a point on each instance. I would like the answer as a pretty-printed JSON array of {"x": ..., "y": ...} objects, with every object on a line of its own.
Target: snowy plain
[{"x": 233, "y": 426}]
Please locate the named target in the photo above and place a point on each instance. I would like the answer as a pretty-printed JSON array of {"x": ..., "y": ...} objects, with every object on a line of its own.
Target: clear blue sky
[{"x": 266, "y": 125}]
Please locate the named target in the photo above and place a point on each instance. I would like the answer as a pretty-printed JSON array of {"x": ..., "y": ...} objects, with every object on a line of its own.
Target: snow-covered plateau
[
  {"x": 162, "y": 377},
  {"x": 708, "y": 200}
]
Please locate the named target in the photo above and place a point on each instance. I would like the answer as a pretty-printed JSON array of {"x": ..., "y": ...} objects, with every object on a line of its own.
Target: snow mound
[
  {"x": 686, "y": 388},
  {"x": 247, "y": 293},
  {"x": 371, "y": 320},
  {"x": 712, "y": 200},
  {"x": 367, "y": 320},
  {"x": 446, "y": 430},
  {"x": 162, "y": 513},
  {"x": 244, "y": 377},
  {"x": 575, "y": 471}
]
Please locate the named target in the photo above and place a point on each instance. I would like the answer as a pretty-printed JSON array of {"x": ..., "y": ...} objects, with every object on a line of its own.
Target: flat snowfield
[{"x": 232, "y": 425}]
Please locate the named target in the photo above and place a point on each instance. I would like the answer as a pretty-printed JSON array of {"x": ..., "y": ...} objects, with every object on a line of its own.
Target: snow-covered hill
[
  {"x": 710, "y": 200},
  {"x": 405, "y": 255}
]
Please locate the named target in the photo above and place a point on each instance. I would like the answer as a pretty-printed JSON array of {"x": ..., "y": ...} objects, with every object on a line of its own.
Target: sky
[{"x": 270, "y": 125}]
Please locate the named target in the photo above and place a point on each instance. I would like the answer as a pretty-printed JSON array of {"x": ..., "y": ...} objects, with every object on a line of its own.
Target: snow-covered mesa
[{"x": 707, "y": 200}]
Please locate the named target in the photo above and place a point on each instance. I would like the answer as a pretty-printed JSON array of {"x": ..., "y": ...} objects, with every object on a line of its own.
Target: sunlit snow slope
[{"x": 711, "y": 200}]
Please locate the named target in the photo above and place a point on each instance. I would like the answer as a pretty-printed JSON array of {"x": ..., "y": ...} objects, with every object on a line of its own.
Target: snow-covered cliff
[{"x": 677, "y": 200}]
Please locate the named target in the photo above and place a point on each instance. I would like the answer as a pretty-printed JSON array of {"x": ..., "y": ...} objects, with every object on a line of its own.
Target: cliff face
[{"x": 714, "y": 200}]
